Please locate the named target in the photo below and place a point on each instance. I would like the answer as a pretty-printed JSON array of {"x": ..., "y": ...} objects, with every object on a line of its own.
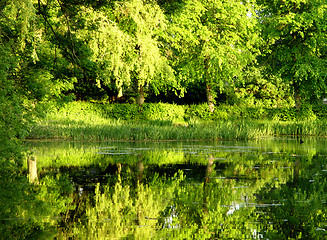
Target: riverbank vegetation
[
  {"x": 160, "y": 70},
  {"x": 85, "y": 121}
]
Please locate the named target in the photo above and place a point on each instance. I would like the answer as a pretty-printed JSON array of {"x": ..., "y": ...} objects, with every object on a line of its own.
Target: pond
[{"x": 265, "y": 189}]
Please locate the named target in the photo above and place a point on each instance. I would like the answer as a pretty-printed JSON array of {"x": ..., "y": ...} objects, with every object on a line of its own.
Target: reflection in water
[
  {"x": 32, "y": 169},
  {"x": 270, "y": 189}
]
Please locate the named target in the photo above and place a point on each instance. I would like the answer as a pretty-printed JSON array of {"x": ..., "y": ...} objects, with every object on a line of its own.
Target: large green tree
[
  {"x": 295, "y": 33},
  {"x": 211, "y": 42},
  {"x": 16, "y": 53},
  {"x": 29, "y": 63},
  {"x": 124, "y": 42}
]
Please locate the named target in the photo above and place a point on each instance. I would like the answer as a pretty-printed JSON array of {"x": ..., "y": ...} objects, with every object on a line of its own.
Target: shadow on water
[{"x": 267, "y": 189}]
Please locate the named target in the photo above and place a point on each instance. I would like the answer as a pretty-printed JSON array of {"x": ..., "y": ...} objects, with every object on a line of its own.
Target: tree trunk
[
  {"x": 297, "y": 97},
  {"x": 140, "y": 96},
  {"x": 297, "y": 100},
  {"x": 210, "y": 96}
]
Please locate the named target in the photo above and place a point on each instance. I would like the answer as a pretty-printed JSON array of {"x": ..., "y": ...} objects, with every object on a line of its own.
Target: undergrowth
[{"x": 85, "y": 121}]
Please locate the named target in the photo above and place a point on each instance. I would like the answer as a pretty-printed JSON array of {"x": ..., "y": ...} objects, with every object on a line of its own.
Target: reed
[
  {"x": 84, "y": 123},
  {"x": 301, "y": 128}
]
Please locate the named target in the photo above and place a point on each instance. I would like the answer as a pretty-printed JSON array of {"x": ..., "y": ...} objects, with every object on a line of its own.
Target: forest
[{"x": 269, "y": 54}]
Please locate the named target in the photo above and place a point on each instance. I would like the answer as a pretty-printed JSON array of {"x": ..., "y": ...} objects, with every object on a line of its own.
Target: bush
[
  {"x": 163, "y": 111},
  {"x": 306, "y": 113},
  {"x": 198, "y": 111},
  {"x": 320, "y": 110},
  {"x": 281, "y": 114},
  {"x": 122, "y": 111},
  {"x": 189, "y": 113}
]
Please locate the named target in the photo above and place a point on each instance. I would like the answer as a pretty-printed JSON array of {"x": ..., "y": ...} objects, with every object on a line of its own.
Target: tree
[
  {"x": 211, "y": 42},
  {"x": 15, "y": 18},
  {"x": 124, "y": 41},
  {"x": 295, "y": 36},
  {"x": 63, "y": 54},
  {"x": 25, "y": 44}
]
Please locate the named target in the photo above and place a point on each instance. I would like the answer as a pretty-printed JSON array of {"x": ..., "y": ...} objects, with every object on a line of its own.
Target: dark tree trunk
[
  {"x": 210, "y": 96},
  {"x": 140, "y": 96},
  {"x": 297, "y": 97}
]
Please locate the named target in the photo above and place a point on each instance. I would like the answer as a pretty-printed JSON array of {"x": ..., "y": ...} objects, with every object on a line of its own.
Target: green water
[{"x": 267, "y": 189}]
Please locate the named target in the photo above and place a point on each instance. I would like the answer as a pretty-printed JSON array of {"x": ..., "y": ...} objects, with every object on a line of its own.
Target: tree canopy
[
  {"x": 121, "y": 49},
  {"x": 212, "y": 41},
  {"x": 295, "y": 44}
]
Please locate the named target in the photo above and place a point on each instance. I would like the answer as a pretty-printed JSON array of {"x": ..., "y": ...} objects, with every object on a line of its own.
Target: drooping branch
[
  {"x": 2, "y": 32},
  {"x": 68, "y": 30},
  {"x": 66, "y": 49}
]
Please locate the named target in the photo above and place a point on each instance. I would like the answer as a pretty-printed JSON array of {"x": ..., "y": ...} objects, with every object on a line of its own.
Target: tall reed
[{"x": 84, "y": 122}]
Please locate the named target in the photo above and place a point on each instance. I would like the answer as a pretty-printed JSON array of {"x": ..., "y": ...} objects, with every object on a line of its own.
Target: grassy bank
[{"x": 114, "y": 122}]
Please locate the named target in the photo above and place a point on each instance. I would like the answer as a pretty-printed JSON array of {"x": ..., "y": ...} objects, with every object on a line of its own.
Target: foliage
[
  {"x": 94, "y": 121},
  {"x": 295, "y": 33},
  {"x": 198, "y": 111},
  {"x": 211, "y": 42},
  {"x": 52, "y": 48},
  {"x": 23, "y": 204},
  {"x": 304, "y": 196},
  {"x": 260, "y": 89},
  {"x": 163, "y": 112},
  {"x": 135, "y": 47},
  {"x": 183, "y": 205},
  {"x": 320, "y": 110},
  {"x": 26, "y": 87},
  {"x": 123, "y": 111},
  {"x": 124, "y": 43}
]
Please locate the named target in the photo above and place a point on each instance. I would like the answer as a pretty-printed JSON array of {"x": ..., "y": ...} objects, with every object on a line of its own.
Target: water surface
[{"x": 267, "y": 189}]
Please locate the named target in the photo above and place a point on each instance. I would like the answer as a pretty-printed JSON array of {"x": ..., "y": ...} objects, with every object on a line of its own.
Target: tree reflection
[
  {"x": 233, "y": 193},
  {"x": 31, "y": 211},
  {"x": 206, "y": 181},
  {"x": 220, "y": 206},
  {"x": 32, "y": 169},
  {"x": 301, "y": 211}
]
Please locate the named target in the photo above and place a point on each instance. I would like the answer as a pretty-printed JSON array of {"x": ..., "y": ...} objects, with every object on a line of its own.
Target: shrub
[
  {"x": 281, "y": 114},
  {"x": 124, "y": 111},
  {"x": 163, "y": 111},
  {"x": 198, "y": 111},
  {"x": 306, "y": 113},
  {"x": 173, "y": 112},
  {"x": 320, "y": 110}
]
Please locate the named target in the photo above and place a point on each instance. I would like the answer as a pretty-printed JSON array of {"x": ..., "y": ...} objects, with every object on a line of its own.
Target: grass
[{"x": 83, "y": 123}]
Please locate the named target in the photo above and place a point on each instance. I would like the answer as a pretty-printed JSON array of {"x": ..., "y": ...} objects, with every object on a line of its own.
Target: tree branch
[
  {"x": 66, "y": 49},
  {"x": 69, "y": 31}
]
